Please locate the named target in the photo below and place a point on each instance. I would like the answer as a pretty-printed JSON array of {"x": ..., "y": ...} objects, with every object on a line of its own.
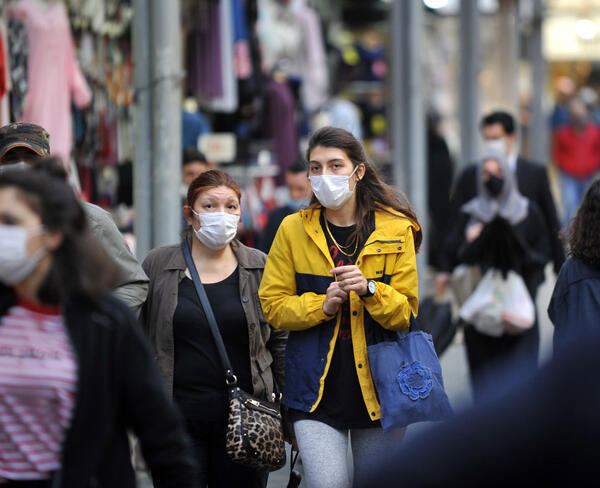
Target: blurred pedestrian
[
  {"x": 339, "y": 274},
  {"x": 499, "y": 131},
  {"x": 576, "y": 151},
  {"x": 541, "y": 429},
  {"x": 75, "y": 371},
  {"x": 565, "y": 89},
  {"x": 503, "y": 230},
  {"x": 21, "y": 145},
  {"x": 193, "y": 165},
  {"x": 177, "y": 326},
  {"x": 439, "y": 184},
  {"x": 296, "y": 180},
  {"x": 575, "y": 305}
]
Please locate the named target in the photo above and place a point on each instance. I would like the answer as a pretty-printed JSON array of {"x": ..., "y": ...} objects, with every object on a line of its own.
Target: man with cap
[{"x": 22, "y": 144}]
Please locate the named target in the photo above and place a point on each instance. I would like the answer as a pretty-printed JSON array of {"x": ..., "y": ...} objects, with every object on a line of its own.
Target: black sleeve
[
  {"x": 267, "y": 236},
  {"x": 537, "y": 238},
  {"x": 454, "y": 242},
  {"x": 548, "y": 210},
  {"x": 464, "y": 189},
  {"x": 277, "y": 343},
  {"x": 440, "y": 184},
  {"x": 151, "y": 414}
]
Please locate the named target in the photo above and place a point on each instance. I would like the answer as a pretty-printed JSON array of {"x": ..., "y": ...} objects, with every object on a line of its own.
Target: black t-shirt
[
  {"x": 342, "y": 405},
  {"x": 199, "y": 377}
]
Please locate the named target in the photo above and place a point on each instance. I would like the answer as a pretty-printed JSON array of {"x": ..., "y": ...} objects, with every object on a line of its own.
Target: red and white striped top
[{"x": 38, "y": 377}]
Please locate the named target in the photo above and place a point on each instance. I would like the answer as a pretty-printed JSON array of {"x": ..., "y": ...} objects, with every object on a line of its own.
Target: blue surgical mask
[
  {"x": 296, "y": 205},
  {"x": 20, "y": 166}
]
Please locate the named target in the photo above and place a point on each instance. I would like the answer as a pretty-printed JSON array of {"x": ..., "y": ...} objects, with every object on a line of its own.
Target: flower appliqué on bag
[{"x": 415, "y": 381}]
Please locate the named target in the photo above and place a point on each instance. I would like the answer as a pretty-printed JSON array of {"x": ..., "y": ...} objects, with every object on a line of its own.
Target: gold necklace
[{"x": 338, "y": 246}]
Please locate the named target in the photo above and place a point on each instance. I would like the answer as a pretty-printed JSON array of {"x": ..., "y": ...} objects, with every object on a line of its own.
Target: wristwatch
[{"x": 371, "y": 289}]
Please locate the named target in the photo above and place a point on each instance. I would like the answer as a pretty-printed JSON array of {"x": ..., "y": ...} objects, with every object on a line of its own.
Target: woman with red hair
[{"x": 178, "y": 329}]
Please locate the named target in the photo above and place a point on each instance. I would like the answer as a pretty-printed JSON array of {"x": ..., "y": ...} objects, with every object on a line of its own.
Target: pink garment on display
[
  {"x": 53, "y": 72},
  {"x": 3, "y": 75}
]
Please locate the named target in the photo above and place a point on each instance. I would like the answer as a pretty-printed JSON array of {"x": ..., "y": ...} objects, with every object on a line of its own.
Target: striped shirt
[{"x": 38, "y": 376}]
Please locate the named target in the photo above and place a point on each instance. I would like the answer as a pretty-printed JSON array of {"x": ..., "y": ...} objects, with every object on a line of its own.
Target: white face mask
[
  {"x": 495, "y": 146},
  {"x": 332, "y": 190},
  {"x": 15, "y": 263},
  {"x": 217, "y": 229},
  {"x": 20, "y": 166}
]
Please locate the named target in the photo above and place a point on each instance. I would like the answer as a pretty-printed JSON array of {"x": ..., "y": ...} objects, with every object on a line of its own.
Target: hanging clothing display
[
  {"x": 3, "y": 78},
  {"x": 282, "y": 126},
  {"x": 292, "y": 42},
  {"x": 4, "y": 69},
  {"x": 205, "y": 77},
  {"x": 340, "y": 112},
  {"x": 228, "y": 102},
  {"x": 18, "y": 53},
  {"x": 242, "y": 63},
  {"x": 54, "y": 76}
]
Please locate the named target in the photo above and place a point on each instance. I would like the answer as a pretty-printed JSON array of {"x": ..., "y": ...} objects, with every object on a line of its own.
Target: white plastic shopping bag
[
  {"x": 499, "y": 305},
  {"x": 483, "y": 309},
  {"x": 519, "y": 310}
]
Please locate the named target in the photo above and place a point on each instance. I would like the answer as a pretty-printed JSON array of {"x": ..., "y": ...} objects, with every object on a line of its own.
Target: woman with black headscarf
[{"x": 503, "y": 230}]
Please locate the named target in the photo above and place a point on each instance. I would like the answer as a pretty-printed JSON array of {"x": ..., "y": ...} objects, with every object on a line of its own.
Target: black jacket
[
  {"x": 522, "y": 248},
  {"x": 274, "y": 220},
  {"x": 118, "y": 389},
  {"x": 532, "y": 181},
  {"x": 439, "y": 184},
  {"x": 575, "y": 305}
]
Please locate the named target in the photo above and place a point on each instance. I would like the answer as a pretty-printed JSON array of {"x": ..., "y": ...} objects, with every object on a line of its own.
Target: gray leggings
[{"x": 324, "y": 452}]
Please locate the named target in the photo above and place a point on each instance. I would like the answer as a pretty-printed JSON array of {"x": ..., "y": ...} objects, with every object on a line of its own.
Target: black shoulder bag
[{"x": 254, "y": 426}]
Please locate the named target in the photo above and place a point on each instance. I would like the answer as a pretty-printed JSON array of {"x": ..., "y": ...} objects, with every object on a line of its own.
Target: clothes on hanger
[
  {"x": 292, "y": 41},
  {"x": 18, "y": 50},
  {"x": 241, "y": 46},
  {"x": 228, "y": 102},
  {"x": 282, "y": 126},
  {"x": 205, "y": 71},
  {"x": 54, "y": 76}
]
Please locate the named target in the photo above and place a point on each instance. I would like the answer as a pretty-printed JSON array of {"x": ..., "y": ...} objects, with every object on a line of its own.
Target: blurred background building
[{"x": 246, "y": 81}]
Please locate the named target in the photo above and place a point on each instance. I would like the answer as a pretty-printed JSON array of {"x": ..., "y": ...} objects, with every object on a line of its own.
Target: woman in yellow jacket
[{"x": 339, "y": 275}]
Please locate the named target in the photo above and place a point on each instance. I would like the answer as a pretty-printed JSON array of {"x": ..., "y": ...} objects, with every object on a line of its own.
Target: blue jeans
[{"x": 573, "y": 190}]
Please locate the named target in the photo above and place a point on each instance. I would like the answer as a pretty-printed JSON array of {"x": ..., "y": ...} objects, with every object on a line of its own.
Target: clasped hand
[{"x": 348, "y": 278}]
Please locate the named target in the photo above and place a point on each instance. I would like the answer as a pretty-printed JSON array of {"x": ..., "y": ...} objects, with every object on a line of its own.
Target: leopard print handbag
[
  {"x": 254, "y": 435},
  {"x": 254, "y": 432}
]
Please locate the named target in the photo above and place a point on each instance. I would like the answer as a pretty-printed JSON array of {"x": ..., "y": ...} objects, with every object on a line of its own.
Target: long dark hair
[
  {"x": 583, "y": 233},
  {"x": 372, "y": 193},
  {"x": 80, "y": 269}
]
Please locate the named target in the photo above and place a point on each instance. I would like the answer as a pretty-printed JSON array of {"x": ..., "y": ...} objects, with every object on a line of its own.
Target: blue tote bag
[{"x": 408, "y": 379}]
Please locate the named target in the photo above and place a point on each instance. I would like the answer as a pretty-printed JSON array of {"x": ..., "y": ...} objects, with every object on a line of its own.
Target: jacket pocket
[{"x": 376, "y": 248}]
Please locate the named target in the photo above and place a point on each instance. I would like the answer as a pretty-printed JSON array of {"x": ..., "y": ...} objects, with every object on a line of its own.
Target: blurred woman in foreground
[{"x": 75, "y": 373}]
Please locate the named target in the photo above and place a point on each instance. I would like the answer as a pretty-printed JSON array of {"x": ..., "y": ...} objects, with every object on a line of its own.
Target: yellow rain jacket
[{"x": 292, "y": 292}]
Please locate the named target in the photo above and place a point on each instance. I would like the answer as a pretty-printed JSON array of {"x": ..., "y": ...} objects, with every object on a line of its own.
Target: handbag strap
[{"x": 230, "y": 377}]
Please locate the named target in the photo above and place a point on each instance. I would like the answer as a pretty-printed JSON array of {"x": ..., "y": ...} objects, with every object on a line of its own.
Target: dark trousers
[
  {"x": 491, "y": 359},
  {"x": 215, "y": 468}
]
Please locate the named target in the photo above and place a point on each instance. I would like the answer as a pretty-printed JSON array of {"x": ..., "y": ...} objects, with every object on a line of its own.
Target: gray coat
[
  {"x": 132, "y": 285},
  {"x": 165, "y": 266}
]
